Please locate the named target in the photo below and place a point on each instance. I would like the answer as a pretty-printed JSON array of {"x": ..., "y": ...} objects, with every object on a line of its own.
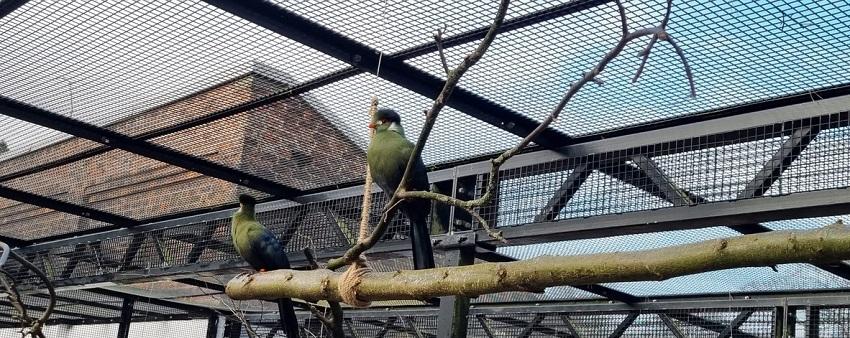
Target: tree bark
[{"x": 824, "y": 245}]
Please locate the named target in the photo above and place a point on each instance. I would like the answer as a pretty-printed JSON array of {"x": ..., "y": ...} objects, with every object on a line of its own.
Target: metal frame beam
[
  {"x": 668, "y": 189},
  {"x": 773, "y": 169},
  {"x": 155, "y": 301},
  {"x": 9, "y": 6},
  {"x": 482, "y": 320},
  {"x": 564, "y": 193},
  {"x": 789, "y": 107},
  {"x": 671, "y": 325},
  {"x": 735, "y": 324},
  {"x": 156, "y": 315},
  {"x": 530, "y": 327},
  {"x": 55, "y": 311},
  {"x": 295, "y": 27},
  {"x": 568, "y": 323},
  {"x": 798, "y": 205},
  {"x": 42, "y": 117},
  {"x": 385, "y": 327},
  {"x": 723, "y": 329},
  {"x": 69, "y": 208},
  {"x": 624, "y": 325}
]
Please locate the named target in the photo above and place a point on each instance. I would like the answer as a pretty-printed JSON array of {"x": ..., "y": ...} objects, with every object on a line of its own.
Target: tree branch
[
  {"x": 438, "y": 40},
  {"x": 657, "y": 32},
  {"x": 825, "y": 245},
  {"x": 353, "y": 253}
]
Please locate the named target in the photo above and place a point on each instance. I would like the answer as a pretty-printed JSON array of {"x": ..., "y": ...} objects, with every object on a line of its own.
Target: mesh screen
[
  {"x": 832, "y": 322},
  {"x": 193, "y": 78},
  {"x": 528, "y": 69},
  {"x": 735, "y": 322}
]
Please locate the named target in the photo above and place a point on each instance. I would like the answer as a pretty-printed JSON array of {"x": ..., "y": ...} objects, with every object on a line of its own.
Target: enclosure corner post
[
  {"x": 452, "y": 319},
  {"x": 212, "y": 325},
  {"x": 126, "y": 317}
]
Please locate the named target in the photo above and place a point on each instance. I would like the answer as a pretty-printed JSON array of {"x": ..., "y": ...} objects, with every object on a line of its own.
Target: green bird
[
  {"x": 387, "y": 156},
  {"x": 264, "y": 252}
]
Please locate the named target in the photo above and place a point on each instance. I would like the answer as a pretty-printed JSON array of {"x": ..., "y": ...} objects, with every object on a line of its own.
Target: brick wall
[{"x": 283, "y": 141}]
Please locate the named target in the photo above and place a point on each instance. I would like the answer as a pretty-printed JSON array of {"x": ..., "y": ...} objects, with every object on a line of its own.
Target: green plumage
[
  {"x": 263, "y": 251},
  {"x": 388, "y": 154}
]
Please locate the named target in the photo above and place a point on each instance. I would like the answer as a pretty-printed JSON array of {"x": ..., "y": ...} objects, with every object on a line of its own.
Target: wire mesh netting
[
  {"x": 685, "y": 172},
  {"x": 730, "y": 322},
  {"x": 248, "y": 102}
]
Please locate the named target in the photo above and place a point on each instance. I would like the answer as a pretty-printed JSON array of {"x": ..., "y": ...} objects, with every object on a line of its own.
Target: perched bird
[
  {"x": 264, "y": 252},
  {"x": 387, "y": 156}
]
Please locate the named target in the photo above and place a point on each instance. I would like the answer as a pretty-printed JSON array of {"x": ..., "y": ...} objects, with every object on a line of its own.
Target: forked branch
[
  {"x": 658, "y": 32},
  {"x": 453, "y": 77}
]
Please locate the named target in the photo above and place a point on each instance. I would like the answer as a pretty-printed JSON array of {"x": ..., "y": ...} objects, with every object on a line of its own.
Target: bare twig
[
  {"x": 438, "y": 38},
  {"x": 645, "y": 55},
  {"x": 661, "y": 34},
  {"x": 685, "y": 63},
  {"x": 657, "y": 32},
  {"x": 623, "y": 22},
  {"x": 33, "y": 326}
]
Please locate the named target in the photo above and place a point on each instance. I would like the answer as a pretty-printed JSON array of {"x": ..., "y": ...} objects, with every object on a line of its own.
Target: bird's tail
[
  {"x": 420, "y": 237},
  {"x": 287, "y": 318}
]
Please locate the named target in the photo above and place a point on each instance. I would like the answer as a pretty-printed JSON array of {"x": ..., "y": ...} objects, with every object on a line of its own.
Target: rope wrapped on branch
[{"x": 824, "y": 245}]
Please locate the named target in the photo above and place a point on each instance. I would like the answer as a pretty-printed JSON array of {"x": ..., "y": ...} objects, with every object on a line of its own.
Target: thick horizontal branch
[{"x": 824, "y": 245}]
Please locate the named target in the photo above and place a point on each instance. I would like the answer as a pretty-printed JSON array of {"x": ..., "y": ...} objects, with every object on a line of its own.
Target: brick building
[{"x": 289, "y": 141}]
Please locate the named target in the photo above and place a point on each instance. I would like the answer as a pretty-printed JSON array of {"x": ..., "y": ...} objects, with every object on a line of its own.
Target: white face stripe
[{"x": 396, "y": 127}]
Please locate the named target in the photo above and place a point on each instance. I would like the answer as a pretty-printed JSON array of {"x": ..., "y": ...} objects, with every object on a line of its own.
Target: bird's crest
[
  {"x": 387, "y": 119},
  {"x": 247, "y": 200}
]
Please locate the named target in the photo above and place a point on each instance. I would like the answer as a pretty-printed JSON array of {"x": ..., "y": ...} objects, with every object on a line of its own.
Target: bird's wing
[{"x": 267, "y": 248}]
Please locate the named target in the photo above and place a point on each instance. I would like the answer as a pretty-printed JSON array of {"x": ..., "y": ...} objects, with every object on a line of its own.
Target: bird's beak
[{"x": 372, "y": 125}]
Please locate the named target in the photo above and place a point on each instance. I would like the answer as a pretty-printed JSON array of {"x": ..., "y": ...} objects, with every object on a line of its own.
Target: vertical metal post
[
  {"x": 233, "y": 329},
  {"x": 212, "y": 326},
  {"x": 812, "y": 321},
  {"x": 452, "y": 320},
  {"x": 126, "y": 316},
  {"x": 786, "y": 321}
]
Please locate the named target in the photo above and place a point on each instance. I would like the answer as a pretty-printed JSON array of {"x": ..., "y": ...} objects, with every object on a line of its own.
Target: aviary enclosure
[{"x": 642, "y": 168}]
